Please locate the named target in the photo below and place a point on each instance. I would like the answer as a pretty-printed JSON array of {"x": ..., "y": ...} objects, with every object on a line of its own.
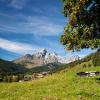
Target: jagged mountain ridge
[{"x": 43, "y": 57}]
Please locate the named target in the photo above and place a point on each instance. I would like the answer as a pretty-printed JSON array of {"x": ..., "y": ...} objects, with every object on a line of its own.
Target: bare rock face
[
  {"x": 43, "y": 57},
  {"x": 30, "y": 61},
  {"x": 51, "y": 57}
]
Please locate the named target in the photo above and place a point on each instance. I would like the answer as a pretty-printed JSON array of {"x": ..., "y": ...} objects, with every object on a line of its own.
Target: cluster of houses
[
  {"x": 87, "y": 74},
  {"x": 34, "y": 76},
  {"x": 44, "y": 74}
]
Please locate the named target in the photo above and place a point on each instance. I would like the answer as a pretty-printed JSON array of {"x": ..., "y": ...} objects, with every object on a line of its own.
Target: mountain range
[
  {"x": 30, "y": 64},
  {"x": 43, "y": 57}
]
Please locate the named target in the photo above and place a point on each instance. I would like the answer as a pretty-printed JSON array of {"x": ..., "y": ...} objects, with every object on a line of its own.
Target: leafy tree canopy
[{"x": 83, "y": 27}]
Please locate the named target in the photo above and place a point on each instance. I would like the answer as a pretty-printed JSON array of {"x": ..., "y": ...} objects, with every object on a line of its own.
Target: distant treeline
[
  {"x": 10, "y": 71},
  {"x": 11, "y": 78}
]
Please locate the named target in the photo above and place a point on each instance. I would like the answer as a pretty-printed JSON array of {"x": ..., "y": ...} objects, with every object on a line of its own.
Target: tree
[
  {"x": 4, "y": 79},
  {"x": 15, "y": 78},
  {"x": 9, "y": 78},
  {"x": 83, "y": 27}
]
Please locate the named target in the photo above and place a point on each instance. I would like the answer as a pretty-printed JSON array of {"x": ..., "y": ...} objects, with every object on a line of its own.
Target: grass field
[{"x": 64, "y": 85}]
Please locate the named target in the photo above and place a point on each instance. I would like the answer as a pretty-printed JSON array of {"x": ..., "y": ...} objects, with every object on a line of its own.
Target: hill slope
[
  {"x": 7, "y": 67},
  {"x": 92, "y": 59},
  {"x": 65, "y": 85}
]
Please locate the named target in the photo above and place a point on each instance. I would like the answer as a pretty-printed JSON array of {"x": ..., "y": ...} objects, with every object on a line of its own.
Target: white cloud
[
  {"x": 17, "y": 47},
  {"x": 41, "y": 26},
  {"x": 23, "y": 48}
]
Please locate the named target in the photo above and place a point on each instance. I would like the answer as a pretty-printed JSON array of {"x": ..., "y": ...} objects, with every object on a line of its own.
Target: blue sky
[{"x": 27, "y": 26}]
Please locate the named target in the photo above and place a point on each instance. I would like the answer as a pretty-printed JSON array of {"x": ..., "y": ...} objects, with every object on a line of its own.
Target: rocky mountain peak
[
  {"x": 44, "y": 51},
  {"x": 41, "y": 54},
  {"x": 44, "y": 57}
]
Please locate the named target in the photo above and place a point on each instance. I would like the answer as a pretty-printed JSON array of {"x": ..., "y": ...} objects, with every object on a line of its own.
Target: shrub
[{"x": 84, "y": 66}]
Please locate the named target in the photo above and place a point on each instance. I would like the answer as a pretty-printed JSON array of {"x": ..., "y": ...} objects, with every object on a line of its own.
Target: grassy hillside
[
  {"x": 64, "y": 85},
  {"x": 92, "y": 59}
]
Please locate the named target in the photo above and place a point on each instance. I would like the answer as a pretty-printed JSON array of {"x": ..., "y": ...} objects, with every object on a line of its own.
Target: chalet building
[
  {"x": 87, "y": 74},
  {"x": 35, "y": 76},
  {"x": 27, "y": 77},
  {"x": 44, "y": 73}
]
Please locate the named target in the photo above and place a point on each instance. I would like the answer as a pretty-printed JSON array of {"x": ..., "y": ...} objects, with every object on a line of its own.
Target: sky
[{"x": 27, "y": 26}]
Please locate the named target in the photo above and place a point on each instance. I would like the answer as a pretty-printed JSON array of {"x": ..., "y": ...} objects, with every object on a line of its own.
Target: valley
[{"x": 62, "y": 84}]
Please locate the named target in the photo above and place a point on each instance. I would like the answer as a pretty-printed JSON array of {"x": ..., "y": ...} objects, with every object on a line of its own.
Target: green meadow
[{"x": 63, "y": 85}]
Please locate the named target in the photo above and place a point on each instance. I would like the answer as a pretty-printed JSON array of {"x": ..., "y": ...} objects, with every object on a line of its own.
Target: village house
[
  {"x": 34, "y": 76},
  {"x": 28, "y": 77},
  {"x": 87, "y": 74},
  {"x": 42, "y": 74}
]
